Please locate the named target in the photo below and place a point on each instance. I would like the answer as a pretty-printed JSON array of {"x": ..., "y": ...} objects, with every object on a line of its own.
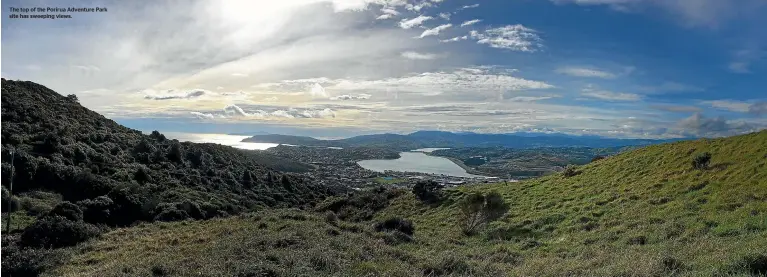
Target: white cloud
[
  {"x": 325, "y": 113},
  {"x": 84, "y": 68},
  {"x": 699, "y": 125},
  {"x": 529, "y": 98},
  {"x": 414, "y": 22},
  {"x": 418, "y": 7},
  {"x": 512, "y": 37},
  {"x": 470, "y": 22},
  {"x": 271, "y": 99},
  {"x": 389, "y": 11},
  {"x": 585, "y": 72},
  {"x": 592, "y": 92},
  {"x": 455, "y": 39},
  {"x": 435, "y": 31},
  {"x": 676, "y": 108},
  {"x": 281, "y": 113},
  {"x": 739, "y": 67},
  {"x": 445, "y": 16},
  {"x": 203, "y": 115},
  {"x": 236, "y": 112},
  {"x": 469, "y": 6},
  {"x": 159, "y": 46},
  {"x": 174, "y": 94},
  {"x": 667, "y": 87},
  {"x": 351, "y": 97},
  {"x": 730, "y": 105},
  {"x": 317, "y": 91},
  {"x": 742, "y": 59},
  {"x": 758, "y": 108},
  {"x": 418, "y": 56},
  {"x": 436, "y": 83}
]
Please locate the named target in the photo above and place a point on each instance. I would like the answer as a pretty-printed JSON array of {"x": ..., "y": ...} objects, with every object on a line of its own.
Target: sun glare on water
[{"x": 223, "y": 139}]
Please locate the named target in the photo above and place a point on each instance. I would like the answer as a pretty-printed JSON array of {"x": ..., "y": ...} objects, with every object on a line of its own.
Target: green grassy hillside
[{"x": 646, "y": 212}]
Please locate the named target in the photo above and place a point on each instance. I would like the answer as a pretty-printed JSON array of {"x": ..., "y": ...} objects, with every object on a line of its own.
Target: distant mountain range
[{"x": 424, "y": 139}]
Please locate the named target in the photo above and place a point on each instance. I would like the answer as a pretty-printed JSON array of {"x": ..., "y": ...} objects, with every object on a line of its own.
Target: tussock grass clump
[{"x": 446, "y": 265}]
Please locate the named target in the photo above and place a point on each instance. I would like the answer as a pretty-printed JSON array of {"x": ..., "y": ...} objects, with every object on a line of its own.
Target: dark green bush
[
  {"x": 395, "y": 224},
  {"x": 357, "y": 206},
  {"x": 428, "y": 191},
  {"x": 56, "y": 231},
  {"x": 170, "y": 212},
  {"x": 97, "y": 210},
  {"x": 192, "y": 209},
  {"x": 67, "y": 210},
  {"x": 29, "y": 261},
  {"x": 701, "y": 160}
]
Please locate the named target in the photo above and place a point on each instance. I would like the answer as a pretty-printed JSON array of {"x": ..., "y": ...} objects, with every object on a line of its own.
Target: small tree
[
  {"x": 478, "y": 210},
  {"x": 701, "y": 160},
  {"x": 156, "y": 135},
  {"x": 428, "y": 191},
  {"x": 73, "y": 98}
]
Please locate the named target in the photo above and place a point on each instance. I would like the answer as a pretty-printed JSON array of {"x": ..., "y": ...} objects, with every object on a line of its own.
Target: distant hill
[
  {"x": 424, "y": 139},
  {"x": 644, "y": 212}
]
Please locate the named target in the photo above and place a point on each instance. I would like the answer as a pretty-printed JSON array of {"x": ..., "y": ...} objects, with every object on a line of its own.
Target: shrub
[
  {"x": 67, "y": 210},
  {"x": 97, "y": 210},
  {"x": 56, "y": 231},
  {"x": 192, "y": 209},
  {"x": 357, "y": 206},
  {"x": 701, "y": 160},
  {"x": 395, "y": 224},
  {"x": 73, "y": 98},
  {"x": 477, "y": 210},
  {"x": 570, "y": 171},
  {"x": 29, "y": 261},
  {"x": 428, "y": 191},
  {"x": 169, "y": 212}
]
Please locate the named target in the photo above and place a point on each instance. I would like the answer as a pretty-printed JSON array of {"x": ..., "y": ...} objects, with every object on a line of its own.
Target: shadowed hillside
[
  {"x": 72, "y": 163},
  {"x": 646, "y": 212}
]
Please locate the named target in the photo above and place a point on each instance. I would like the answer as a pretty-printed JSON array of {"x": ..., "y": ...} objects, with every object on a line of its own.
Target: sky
[{"x": 338, "y": 68}]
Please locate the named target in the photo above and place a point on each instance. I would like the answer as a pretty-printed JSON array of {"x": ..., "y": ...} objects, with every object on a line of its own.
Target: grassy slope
[{"x": 693, "y": 223}]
